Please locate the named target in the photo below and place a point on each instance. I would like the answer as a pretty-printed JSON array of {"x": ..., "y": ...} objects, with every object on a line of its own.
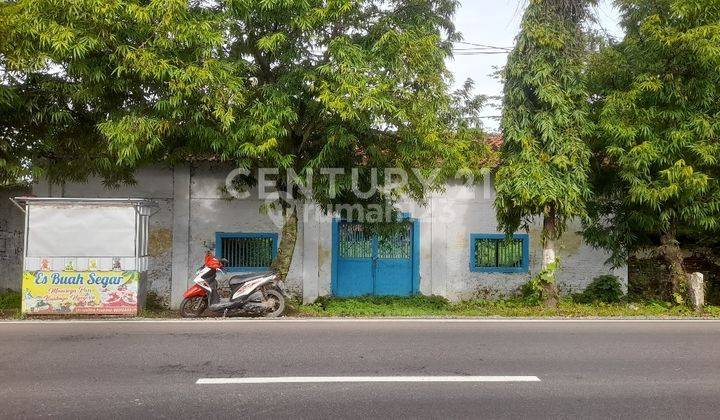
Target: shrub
[
  {"x": 154, "y": 302},
  {"x": 10, "y": 300},
  {"x": 533, "y": 292},
  {"x": 606, "y": 289}
]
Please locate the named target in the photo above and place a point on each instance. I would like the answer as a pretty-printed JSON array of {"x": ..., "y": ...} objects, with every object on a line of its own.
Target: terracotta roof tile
[{"x": 495, "y": 141}]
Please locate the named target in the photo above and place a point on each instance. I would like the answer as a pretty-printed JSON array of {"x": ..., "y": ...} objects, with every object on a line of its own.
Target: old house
[{"x": 449, "y": 246}]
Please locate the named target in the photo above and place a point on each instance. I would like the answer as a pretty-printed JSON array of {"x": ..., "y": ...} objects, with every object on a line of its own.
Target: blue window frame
[
  {"x": 498, "y": 253},
  {"x": 246, "y": 252}
]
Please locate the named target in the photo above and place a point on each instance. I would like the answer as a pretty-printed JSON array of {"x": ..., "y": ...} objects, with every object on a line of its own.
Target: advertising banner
[{"x": 80, "y": 292}]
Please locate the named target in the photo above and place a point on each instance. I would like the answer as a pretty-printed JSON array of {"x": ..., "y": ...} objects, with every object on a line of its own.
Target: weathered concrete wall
[
  {"x": 12, "y": 226},
  {"x": 446, "y": 222},
  {"x": 459, "y": 212},
  {"x": 211, "y": 211},
  {"x": 193, "y": 208},
  {"x": 180, "y": 260}
]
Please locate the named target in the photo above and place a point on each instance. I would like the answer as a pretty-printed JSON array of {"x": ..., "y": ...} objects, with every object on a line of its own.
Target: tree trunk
[
  {"x": 288, "y": 237},
  {"x": 550, "y": 293},
  {"x": 673, "y": 255}
]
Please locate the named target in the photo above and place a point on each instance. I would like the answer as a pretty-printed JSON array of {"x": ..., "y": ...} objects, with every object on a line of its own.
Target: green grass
[
  {"x": 10, "y": 304},
  {"x": 158, "y": 313},
  {"x": 10, "y": 308},
  {"x": 10, "y": 300},
  {"x": 433, "y": 306}
]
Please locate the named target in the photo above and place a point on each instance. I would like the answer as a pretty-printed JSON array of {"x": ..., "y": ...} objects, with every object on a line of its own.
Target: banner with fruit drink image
[{"x": 80, "y": 292}]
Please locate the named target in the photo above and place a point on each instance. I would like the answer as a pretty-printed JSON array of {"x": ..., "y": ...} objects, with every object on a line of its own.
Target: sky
[{"x": 496, "y": 23}]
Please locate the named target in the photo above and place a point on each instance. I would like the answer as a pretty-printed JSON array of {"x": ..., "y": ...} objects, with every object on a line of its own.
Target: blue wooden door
[
  {"x": 372, "y": 265},
  {"x": 354, "y": 261},
  {"x": 394, "y": 263}
]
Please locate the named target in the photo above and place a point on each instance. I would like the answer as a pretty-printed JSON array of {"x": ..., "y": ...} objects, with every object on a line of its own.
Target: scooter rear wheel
[
  {"x": 278, "y": 303},
  {"x": 193, "y": 307}
]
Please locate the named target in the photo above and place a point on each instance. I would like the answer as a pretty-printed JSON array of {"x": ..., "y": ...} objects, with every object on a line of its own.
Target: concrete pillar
[
  {"x": 310, "y": 254},
  {"x": 696, "y": 289},
  {"x": 426, "y": 262},
  {"x": 487, "y": 187},
  {"x": 325, "y": 255},
  {"x": 181, "y": 235},
  {"x": 439, "y": 251}
]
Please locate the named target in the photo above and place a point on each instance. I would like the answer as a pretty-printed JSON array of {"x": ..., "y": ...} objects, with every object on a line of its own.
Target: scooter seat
[{"x": 244, "y": 278}]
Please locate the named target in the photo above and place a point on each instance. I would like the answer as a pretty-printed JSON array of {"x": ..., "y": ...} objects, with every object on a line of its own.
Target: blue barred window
[
  {"x": 498, "y": 253},
  {"x": 246, "y": 251}
]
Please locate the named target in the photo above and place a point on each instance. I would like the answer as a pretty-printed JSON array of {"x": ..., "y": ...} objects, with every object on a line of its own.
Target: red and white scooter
[{"x": 255, "y": 294}]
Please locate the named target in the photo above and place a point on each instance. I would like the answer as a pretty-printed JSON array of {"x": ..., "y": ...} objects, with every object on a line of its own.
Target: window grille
[
  {"x": 354, "y": 242},
  {"x": 498, "y": 253},
  {"x": 397, "y": 245},
  {"x": 247, "y": 252}
]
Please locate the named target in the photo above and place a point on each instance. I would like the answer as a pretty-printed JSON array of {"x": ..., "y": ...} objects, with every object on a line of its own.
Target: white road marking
[{"x": 362, "y": 379}]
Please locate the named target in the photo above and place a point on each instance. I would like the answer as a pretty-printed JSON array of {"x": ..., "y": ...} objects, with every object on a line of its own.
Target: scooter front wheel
[{"x": 193, "y": 307}]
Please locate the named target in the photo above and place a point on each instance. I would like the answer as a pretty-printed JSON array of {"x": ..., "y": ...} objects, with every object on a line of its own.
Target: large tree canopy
[
  {"x": 289, "y": 83},
  {"x": 657, "y": 96},
  {"x": 98, "y": 87},
  {"x": 545, "y": 159}
]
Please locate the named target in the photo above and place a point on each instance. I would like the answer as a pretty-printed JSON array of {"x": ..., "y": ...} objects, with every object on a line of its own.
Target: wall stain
[
  {"x": 568, "y": 244},
  {"x": 159, "y": 241},
  {"x": 323, "y": 256}
]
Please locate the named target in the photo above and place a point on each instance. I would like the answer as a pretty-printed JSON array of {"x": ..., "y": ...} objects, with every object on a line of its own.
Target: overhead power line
[
  {"x": 483, "y": 46},
  {"x": 473, "y": 48},
  {"x": 479, "y": 52},
  {"x": 480, "y": 49}
]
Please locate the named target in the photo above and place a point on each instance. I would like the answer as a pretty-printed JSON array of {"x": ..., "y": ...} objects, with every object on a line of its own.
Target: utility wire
[
  {"x": 472, "y": 48},
  {"x": 480, "y": 49},
  {"x": 484, "y": 46},
  {"x": 480, "y": 52}
]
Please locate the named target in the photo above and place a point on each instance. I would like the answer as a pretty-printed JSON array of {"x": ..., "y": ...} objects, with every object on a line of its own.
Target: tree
[
  {"x": 544, "y": 157},
  {"x": 97, "y": 88},
  {"x": 293, "y": 85},
  {"x": 346, "y": 84},
  {"x": 657, "y": 101}
]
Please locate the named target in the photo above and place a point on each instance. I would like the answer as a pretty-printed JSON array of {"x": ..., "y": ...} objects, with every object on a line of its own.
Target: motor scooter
[{"x": 254, "y": 294}]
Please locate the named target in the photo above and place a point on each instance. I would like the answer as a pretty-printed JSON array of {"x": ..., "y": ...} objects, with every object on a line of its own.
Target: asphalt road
[{"x": 149, "y": 369}]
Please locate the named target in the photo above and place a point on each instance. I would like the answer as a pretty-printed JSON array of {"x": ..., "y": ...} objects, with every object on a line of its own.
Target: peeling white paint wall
[{"x": 460, "y": 211}]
